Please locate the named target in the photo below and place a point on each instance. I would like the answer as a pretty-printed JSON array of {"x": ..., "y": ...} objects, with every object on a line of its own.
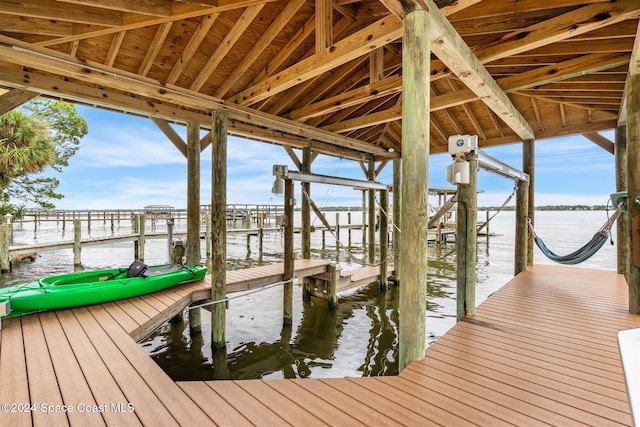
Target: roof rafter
[
  {"x": 144, "y": 7},
  {"x": 225, "y": 46},
  {"x": 267, "y": 37},
  {"x": 634, "y": 68},
  {"x": 362, "y": 42},
  {"x": 15, "y": 51},
  {"x": 50, "y": 9}
]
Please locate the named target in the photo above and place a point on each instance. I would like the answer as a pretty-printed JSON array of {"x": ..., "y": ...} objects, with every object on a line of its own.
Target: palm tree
[{"x": 26, "y": 148}]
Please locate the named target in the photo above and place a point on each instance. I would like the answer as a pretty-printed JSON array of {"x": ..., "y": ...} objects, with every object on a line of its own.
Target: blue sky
[{"x": 126, "y": 162}]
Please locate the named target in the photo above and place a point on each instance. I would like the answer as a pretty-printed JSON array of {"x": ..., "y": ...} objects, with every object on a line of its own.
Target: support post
[
  {"x": 193, "y": 193},
  {"x": 364, "y": 220},
  {"x": 141, "y": 237},
  {"x": 289, "y": 201},
  {"x": 305, "y": 208},
  {"x": 620, "y": 152},
  {"x": 415, "y": 186},
  {"x": 522, "y": 228},
  {"x": 195, "y": 321},
  {"x": 337, "y": 231},
  {"x": 219, "y": 226},
  {"x": 371, "y": 231},
  {"x": 5, "y": 241},
  {"x": 467, "y": 242},
  {"x": 332, "y": 293},
  {"x": 397, "y": 200},
  {"x": 633, "y": 189},
  {"x": 384, "y": 238},
  {"x": 77, "y": 247},
  {"x": 528, "y": 167}
]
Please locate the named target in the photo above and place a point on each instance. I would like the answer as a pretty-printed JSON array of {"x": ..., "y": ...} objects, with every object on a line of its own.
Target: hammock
[{"x": 585, "y": 252}]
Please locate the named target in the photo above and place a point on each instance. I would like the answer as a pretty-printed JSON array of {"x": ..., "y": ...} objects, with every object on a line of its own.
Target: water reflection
[{"x": 306, "y": 350}]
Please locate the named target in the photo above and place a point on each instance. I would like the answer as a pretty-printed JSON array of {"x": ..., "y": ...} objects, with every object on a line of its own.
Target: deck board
[
  {"x": 13, "y": 372},
  {"x": 73, "y": 386},
  {"x": 104, "y": 388},
  {"x": 542, "y": 350}
]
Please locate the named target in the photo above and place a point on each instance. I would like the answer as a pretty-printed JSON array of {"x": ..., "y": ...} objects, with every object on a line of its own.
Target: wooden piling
[
  {"x": 141, "y": 235},
  {"x": 332, "y": 293},
  {"x": 397, "y": 199},
  {"x": 337, "y": 231},
  {"x": 207, "y": 234},
  {"x": 384, "y": 238},
  {"x": 364, "y": 220},
  {"x": 193, "y": 194},
  {"x": 287, "y": 304},
  {"x": 371, "y": 231},
  {"x": 219, "y": 226},
  {"x": 195, "y": 321},
  {"x": 77, "y": 237},
  {"x": 5, "y": 242},
  {"x": 415, "y": 186},
  {"x": 633, "y": 186},
  {"x": 467, "y": 243},
  {"x": 528, "y": 167},
  {"x": 620, "y": 151},
  {"x": 522, "y": 227},
  {"x": 305, "y": 206}
]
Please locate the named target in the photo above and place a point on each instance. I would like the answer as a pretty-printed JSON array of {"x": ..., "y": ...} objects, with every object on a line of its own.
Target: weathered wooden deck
[{"x": 540, "y": 351}]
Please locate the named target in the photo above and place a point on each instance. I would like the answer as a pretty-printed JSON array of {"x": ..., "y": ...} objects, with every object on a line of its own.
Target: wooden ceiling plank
[
  {"x": 470, "y": 115},
  {"x": 225, "y": 46},
  {"x": 144, "y": 7},
  {"x": 179, "y": 11},
  {"x": 192, "y": 46},
  {"x": 294, "y": 42},
  {"x": 513, "y": 7},
  {"x": 37, "y": 26},
  {"x": 171, "y": 134},
  {"x": 384, "y": 31},
  {"x": 447, "y": 45},
  {"x": 114, "y": 48},
  {"x": 399, "y": 8},
  {"x": 372, "y": 119},
  {"x": 384, "y": 87},
  {"x": 634, "y": 68},
  {"x": 263, "y": 42},
  {"x": 116, "y": 101},
  {"x": 536, "y": 111},
  {"x": 154, "y": 49},
  {"x": 15, "y": 98},
  {"x": 455, "y": 123},
  {"x": 15, "y": 51},
  {"x": 600, "y": 141},
  {"x": 54, "y": 10},
  {"x": 563, "y": 115},
  {"x": 328, "y": 82},
  {"x": 570, "y": 24}
]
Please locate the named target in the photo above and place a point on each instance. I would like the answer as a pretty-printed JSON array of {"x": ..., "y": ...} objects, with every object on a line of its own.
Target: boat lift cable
[
  {"x": 586, "y": 251},
  {"x": 387, "y": 215},
  {"x": 244, "y": 294},
  {"x": 499, "y": 209},
  {"x": 346, "y": 248}
]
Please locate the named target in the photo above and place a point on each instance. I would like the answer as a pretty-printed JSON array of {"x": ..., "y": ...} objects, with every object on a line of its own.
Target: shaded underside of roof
[{"x": 325, "y": 73}]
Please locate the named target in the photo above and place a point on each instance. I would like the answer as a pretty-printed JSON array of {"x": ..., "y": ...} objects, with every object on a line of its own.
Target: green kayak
[{"x": 94, "y": 287}]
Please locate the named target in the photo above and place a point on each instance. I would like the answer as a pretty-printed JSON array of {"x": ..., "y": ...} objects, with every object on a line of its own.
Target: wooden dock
[{"x": 540, "y": 351}]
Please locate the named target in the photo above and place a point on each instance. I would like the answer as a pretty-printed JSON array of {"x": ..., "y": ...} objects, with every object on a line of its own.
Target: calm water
[{"x": 357, "y": 339}]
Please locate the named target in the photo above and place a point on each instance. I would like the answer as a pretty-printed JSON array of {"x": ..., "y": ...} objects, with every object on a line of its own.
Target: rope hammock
[{"x": 585, "y": 252}]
